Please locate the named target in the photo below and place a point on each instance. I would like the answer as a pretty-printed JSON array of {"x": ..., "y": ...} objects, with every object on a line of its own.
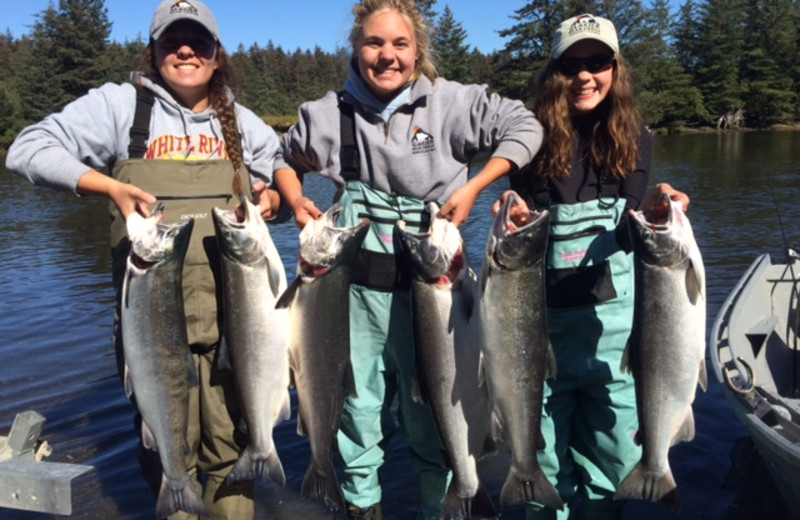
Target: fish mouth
[
  {"x": 658, "y": 218},
  {"x": 310, "y": 270}
]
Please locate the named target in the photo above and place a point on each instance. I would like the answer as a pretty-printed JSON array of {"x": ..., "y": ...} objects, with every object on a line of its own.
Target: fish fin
[
  {"x": 223, "y": 354},
  {"x": 285, "y": 299},
  {"x": 277, "y": 273},
  {"x": 191, "y": 376},
  {"x": 551, "y": 370},
  {"x": 148, "y": 439},
  {"x": 468, "y": 288},
  {"x": 322, "y": 483},
  {"x": 519, "y": 489},
  {"x": 625, "y": 364},
  {"x": 248, "y": 467},
  {"x": 285, "y": 412},
  {"x": 698, "y": 270},
  {"x": 685, "y": 431},
  {"x": 416, "y": 389},
  {"x": 349, "y": 381},
  {"x": 481, "y": 371},
  {"x": 301, "y": 426},
  {"x": 694, "y": 285},
  {"x": 702, "y": 378},
  {"x": 294, "y": 361},
  {"x": 179, "y": 496},
  {"x": 127, "y": 382},
  {"x": 497, "y": 428},
  {"x": 641, "y": 484},
  {"x": 479, "y": 506}
]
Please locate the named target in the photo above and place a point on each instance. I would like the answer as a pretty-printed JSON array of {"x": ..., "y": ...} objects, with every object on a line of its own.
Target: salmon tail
[
  {"x": 251, "y": 467},
  {"x": 641, "y": 484},
  {"x": 519, "y": 490},
  {"x": 478, "y": 507},
  {"x": 322, "y": 483},
  {"x": 179, "y": 495}
]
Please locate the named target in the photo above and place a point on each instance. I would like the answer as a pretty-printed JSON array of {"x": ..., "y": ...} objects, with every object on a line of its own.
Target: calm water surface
[{"x": 56, "y": 356}]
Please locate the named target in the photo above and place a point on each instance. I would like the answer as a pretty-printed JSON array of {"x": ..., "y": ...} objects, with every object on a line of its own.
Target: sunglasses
[
  {"x": 593, "y": 64},
  {"x": 170, "y": 43}
]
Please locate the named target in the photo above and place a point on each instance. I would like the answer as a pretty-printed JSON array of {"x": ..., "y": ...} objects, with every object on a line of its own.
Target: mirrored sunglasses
[{"x": 593, "y": 64}]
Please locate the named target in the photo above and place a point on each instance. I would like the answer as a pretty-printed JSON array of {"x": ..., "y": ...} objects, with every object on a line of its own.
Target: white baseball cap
[
  {"x": 583, "y": 27},
  {"x": 170, "y": 11}
]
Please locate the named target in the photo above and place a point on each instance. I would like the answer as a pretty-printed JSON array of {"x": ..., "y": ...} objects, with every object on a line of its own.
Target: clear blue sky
[{"x": 291, "y": 24}]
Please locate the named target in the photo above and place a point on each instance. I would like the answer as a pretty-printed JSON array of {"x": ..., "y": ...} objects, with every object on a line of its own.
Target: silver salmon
[
  {"x": 516, "y": 350},
  {"x": 158, "y": 365},
  {"x": 667, "y": 345},
  {"x": 318, "y": 300},
  {"x": 255, "y": 336},
  {"x": 447, "y": 351}
]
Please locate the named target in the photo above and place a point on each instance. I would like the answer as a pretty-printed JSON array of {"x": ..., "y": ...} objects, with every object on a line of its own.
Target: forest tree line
[{"x": 701, "y": 63}]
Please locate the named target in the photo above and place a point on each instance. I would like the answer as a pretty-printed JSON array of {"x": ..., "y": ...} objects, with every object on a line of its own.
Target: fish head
[
  {"x": 437, "y": 254},
  {"x": 662, "y": 234},
  {"x": 242, "y": 232},
  {"x": 153, "y": 242},
  {"x": 518, "y": 238},
  {"x": 324, "y": 246}
]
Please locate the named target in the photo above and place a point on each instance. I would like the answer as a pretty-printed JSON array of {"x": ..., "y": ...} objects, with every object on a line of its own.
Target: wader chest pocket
[{"x": 579, "y": 286}]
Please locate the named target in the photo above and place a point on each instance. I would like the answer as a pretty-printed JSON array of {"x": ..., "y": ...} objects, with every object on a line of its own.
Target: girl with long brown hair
[{"x": 173, "y": 134}]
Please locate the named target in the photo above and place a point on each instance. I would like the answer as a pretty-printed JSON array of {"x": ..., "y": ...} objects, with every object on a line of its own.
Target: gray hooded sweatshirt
[
  {"x": 93, "y": 131},
  {"x": 423, "y": 147}
]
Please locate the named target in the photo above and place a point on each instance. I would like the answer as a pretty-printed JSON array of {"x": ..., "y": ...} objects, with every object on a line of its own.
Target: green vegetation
[{"x": 707, "y": 63}]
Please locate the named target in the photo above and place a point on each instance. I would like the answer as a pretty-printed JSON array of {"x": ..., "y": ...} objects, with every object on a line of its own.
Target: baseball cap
[
  {"x": 583, "y": 27},
  {"x": 170, "y": 11}
]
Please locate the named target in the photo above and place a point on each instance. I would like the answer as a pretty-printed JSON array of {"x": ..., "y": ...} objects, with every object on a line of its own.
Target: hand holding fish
[
  {"x": 127, "y": 197},
  {"x": 459, "y": 205},
  {"x": 267, "y": 200},
  {"x": 662, "y": 188},
  {"x": 519, "y": 213}
]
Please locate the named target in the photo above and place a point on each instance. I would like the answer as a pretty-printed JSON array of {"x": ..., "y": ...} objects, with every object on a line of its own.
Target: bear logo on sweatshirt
[{"x": 422, "y": 141}]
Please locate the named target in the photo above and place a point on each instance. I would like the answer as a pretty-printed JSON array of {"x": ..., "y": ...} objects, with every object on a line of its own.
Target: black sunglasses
[
  {"x": 204, "y": 46},
  {"x": 593, "y": 64}
]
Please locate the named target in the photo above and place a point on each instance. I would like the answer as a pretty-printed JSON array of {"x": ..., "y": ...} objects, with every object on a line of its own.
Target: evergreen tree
[
  {"x": 76, "y": 38},
  {"x": 425, "y": 8},
  {"x": 687, "y": 38},
  {"x": 449, "y": 51},
  {"x": 770, "y": 52},
  {"x": 529, "y": 46},
  {"x": 664, "y": 91},
  {"x": 719, "y": 56}
]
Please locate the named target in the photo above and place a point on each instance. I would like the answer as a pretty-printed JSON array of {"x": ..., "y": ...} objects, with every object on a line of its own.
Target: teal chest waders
[{"x": 589, "y": 416}]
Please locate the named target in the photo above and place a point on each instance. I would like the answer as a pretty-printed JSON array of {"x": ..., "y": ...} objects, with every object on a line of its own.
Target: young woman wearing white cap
[
  {"x": 186, "y": 126},
  {"x": 592, "y": 168}
]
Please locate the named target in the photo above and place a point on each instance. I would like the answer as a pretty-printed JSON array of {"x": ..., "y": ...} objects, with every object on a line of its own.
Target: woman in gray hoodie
[
  {"x": 175, "y": 123},
  {"x": 414, "y": 137}
]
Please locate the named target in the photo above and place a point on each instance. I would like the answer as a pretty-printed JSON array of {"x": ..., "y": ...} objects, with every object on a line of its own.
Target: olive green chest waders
[
  {"x": 589, "y": 417},
  {"x": 382, "y": 353},
  {"x": 190, "y": 189}
]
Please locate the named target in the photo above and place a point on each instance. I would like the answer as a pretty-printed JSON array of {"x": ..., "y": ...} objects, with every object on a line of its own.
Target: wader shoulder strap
[
  {"x": 607, "y": 186},
  {"x": 348, "y": 154},
  {"x": 140, "y": 130}
]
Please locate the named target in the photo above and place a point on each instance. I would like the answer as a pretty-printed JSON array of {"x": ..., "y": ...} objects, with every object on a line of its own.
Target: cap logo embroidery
[
  {"x": 183, "y": 7},
  {"x": 422, "y": 141},
  {"x": 584, "y": 24}
]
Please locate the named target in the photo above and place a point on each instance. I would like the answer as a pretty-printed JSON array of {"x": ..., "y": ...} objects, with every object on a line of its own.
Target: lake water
[{"x": 57, "y": 357}]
